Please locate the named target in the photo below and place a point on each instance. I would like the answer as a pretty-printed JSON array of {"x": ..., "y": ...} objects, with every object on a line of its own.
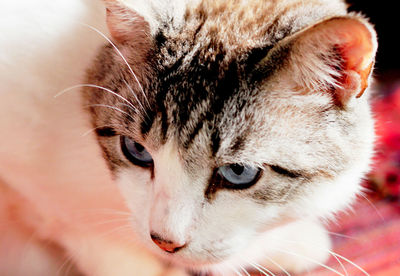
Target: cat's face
[{"x": 212, "y": 143}]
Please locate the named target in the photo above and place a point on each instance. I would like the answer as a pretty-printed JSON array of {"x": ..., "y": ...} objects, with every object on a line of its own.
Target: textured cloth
[{"x": 369, "y": 237}]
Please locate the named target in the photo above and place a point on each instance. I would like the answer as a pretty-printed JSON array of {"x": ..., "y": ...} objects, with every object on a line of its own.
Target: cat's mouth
[
  {"x": 188, "y": 260},
  {"x": 196, "y": 260}
]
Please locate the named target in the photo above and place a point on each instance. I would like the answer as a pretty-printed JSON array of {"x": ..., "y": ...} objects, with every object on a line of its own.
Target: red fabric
[
  {"x": 385, "y": 178},
  {"x": 371, "y": 239}
]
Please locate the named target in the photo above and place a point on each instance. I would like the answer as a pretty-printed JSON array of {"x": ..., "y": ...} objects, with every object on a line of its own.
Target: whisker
[
  {"x": 104, "y": 218},
  {"x": 342, "y": 235},
  {"x": 113, "y": 107},
  {"x": 101, "y": 212},
  {"x": 234, "y": 269},
  {"x": 70, "y": 266},
  {"x": 134, "y": 95},
  {"x": 335, "y": 255},
  {"x": 340, "y": 263},
  {"x": 138, "y": 113},
  {"x": 310, "y": 260},
  {"x": 261, "y": 270},
  {"x": 277, "y": 264},
  {"x": 120, "y": 54},
  {"x": 374, "y": 207},
  {"x": 112, "y": 221},
  {"x": 107, "y": 211},
  {"x": 351, "y": 262},
  {"x": 244, "y": 270},
  {"x": 93, "y": 129},
  {"x": 95, "y": 86},
  {"x": 64, "y": 264},
  {"x": 119, "y": 228}
]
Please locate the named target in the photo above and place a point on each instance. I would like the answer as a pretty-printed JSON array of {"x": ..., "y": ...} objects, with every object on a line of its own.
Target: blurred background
[{"x": 385, "y": 16}]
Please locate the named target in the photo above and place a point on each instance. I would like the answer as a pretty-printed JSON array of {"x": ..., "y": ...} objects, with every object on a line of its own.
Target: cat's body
[
  {"x": 44, "y": 155},
  {"x": 254, "y": 83}
]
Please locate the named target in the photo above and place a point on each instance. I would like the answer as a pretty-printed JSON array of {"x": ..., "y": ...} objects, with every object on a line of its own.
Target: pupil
[
  {"x": 139, "y": 147},
  {"x": 237, "y": 169}
]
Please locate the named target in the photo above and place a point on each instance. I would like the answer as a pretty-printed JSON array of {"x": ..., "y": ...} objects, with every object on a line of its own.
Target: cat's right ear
[
  {"x": 124, "y": 23},
  {"x": 334, "y": 56}
]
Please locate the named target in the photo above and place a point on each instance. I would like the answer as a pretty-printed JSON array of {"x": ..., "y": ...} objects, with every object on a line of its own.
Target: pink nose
[{"x": 166, "y": 245}]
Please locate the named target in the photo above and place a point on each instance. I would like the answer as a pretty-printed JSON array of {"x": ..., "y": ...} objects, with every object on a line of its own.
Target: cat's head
[{"x": 231, "y": 118}]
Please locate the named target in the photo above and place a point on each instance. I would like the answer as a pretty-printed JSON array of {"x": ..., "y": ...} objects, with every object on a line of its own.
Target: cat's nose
[{"x": 166, "y": 245}]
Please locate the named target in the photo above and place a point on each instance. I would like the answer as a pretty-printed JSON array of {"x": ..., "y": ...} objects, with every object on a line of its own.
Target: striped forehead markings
[{"x": 215, "y": 82}]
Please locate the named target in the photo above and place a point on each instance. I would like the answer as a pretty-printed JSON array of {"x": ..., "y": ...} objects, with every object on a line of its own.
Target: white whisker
[
  {"x": 93, "y": 129},
  {"x": 120, "y": 54},
  {"x": 277, "y": 264},
  {"x": 351, "y": 262},
  {"x": 261, "y": 269},
  {"x": 107, "y": 211},
  {"x": 113, "y": 221},
  {"x": 310, "y": 260},
  {"x": 374, "y": 207},
  {"x": 341, "y": 235},
  {"x": 70, "y": 266},
  {"x": 99, "y": 87},
  {"x": 123, "y": 104},
  {"x": 113, "y": 107},
  {"x": 244, "y": 270},
  {"x": 135, "y": 96},
  {"x": 340, "y": 263},
  {"x": 64, "y": 264},
  {"x": 335, "y": 255},
  {"x": 234, "y": 269},
  {"x": 117, "y": 229}
]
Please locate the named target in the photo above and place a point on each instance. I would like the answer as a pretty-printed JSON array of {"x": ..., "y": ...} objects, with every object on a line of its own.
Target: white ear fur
[
  {"x": 122, "y": 13},
  {"x": 335, "y": 55}
]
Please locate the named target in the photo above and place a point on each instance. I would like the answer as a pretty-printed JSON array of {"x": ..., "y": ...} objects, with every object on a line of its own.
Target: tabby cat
[{"x": 231, "y": 128}]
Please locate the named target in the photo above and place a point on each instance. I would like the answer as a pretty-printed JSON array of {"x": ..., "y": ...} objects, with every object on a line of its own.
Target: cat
[{"x": 222, "y": 134}]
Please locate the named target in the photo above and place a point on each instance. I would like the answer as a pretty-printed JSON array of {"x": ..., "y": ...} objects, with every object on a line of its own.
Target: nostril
[{"x": 166, "y": 245}]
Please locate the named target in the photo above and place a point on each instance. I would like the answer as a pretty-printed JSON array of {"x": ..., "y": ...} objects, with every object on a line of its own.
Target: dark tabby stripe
[
  {"x": 215, "y": 141},
  {"x": 193, "y": 134},
  {"x": 239, "y": 142},
  {"x": 285, "y": 172},
  {"x": 255, "y": 56},
  {"x": 276, "y": 60},
  {"x": 106, "y": 132}
]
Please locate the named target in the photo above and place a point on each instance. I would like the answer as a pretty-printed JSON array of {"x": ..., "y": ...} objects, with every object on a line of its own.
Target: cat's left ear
[
  {"x": 124, "y": 23},
  {"x": 336, "y": 55}
]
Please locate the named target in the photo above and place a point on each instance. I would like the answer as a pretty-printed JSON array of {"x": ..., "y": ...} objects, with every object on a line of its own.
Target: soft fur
[{"x": 201, "y": 84}]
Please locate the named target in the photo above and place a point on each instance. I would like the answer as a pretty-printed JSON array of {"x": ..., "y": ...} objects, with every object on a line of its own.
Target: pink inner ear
[
  {"x": 357, "y": 49},
  {"x": 357, "y": 46}
]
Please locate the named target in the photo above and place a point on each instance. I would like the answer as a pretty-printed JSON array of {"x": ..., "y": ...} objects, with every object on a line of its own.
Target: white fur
[
  {"x": 157, "y": 12},
  {"x": 64, "y": 190}
]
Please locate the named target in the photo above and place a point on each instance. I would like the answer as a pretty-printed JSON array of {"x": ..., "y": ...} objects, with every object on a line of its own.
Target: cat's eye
[
  {"x": 135, "y": 152},
  {"x": 239, "y": 176}
]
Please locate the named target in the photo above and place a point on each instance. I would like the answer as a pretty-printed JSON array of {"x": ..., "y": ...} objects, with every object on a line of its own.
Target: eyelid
[
  {"x": 285, "y": 172},
  {"x": 106, "y": 132}
]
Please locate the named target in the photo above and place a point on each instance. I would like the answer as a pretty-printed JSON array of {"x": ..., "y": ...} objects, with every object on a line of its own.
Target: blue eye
[
  {"x": 135, "y": 152},
  {"x": 239, "y": 176}
]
